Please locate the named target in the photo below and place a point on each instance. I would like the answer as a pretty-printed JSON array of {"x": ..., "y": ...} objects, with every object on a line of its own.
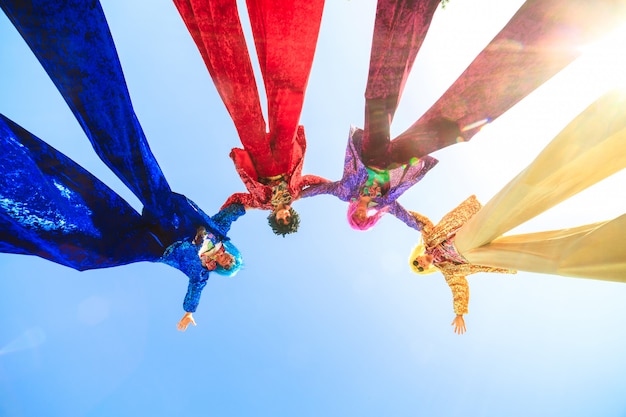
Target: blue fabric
[
  {"x": 72, "y": 41},
  {"x": 53, "y": 208}
]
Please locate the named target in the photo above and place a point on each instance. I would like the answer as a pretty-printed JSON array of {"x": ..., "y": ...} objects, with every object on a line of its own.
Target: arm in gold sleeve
[{"x": 460, "y": 291}]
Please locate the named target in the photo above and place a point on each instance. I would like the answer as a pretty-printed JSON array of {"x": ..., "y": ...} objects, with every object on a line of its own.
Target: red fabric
[
  {"x": 285, "y": 33},
  {"x": 399, "y": 31},
  {"x": 542, "y": 38},
  {"x": 259, "y": 195}
]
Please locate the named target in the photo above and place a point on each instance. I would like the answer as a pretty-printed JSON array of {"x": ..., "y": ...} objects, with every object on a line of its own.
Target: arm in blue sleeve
[
  {"x": 226, "y": 216},
  {"x": 194, "y": 291}
]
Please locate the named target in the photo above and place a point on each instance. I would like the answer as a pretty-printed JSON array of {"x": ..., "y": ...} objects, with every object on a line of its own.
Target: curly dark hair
[{"x": 279, "y": 228}]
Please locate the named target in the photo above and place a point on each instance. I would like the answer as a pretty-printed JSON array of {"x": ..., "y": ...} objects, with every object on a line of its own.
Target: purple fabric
[{"x": 355, "y": 174}]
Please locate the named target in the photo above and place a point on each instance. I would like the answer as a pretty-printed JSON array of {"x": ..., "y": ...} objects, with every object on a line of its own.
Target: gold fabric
[
  {"x": 455, "y": 274},
  {"x": 591, "y": 148}
]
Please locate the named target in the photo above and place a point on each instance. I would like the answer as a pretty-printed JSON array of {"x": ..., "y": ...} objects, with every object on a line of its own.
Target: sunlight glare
[{"x": 606, "y": 55}]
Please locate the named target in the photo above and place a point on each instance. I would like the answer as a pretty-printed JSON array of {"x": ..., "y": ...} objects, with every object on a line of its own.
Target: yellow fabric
[{"x": 591, "y": 148}]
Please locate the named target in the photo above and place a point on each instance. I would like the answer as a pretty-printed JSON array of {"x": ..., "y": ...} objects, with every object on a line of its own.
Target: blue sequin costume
[
  {"x": 355, "y": 175},
  {"x": 53, "y": 208}
]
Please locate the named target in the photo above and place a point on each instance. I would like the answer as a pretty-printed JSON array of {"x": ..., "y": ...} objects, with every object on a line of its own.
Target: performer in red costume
[{"x": 285, "y": 35}]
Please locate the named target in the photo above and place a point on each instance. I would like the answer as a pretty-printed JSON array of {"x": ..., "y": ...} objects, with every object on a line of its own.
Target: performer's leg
[
  {"x": 399, "y": 31},
  {"x": 542, "y": 38},
  {"x": 72, "y": 41},
  {"x": 596, "y": 251},
  {"x": 591, "y": 148},
  {"x": 285, "y": 35},
  {"x": 216, "y": 30},
  {"x": 53, "y": 208}
]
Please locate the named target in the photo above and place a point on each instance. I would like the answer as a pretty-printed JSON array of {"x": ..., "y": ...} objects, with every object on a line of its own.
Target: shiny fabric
[
  {"x": 454, "y": 270},
  {"x": 63, "y": 213},
  {"x": 541, "y": 39},
  {"x": 259, "y": 193},
  {"x": 399, "y": 31},
  {"x": 285, "y": 35},
  {"x": 72, "y": 41},
  {"x": 53, "y": 208},
  {"x": 591, "y": 148},
  {"x": 355, "y": 175}
]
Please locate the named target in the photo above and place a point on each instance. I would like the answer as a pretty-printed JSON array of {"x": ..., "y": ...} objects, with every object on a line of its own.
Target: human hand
[
  {"x": 459, "y": 324},
  {"x": 185, "y": 321}
]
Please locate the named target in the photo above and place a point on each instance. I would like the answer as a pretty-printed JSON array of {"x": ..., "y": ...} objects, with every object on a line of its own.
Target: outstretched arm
[
  {"x": 335, "y": 188},
  {"x": 460, "y": 299},
  {"x": 226, "y": 216},
  {"x": 405, "y": 216},
  {"x": 245, "y": 199}
]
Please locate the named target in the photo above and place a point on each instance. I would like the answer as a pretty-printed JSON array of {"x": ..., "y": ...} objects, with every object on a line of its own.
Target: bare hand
[
  {"x": 459, "y": 324},
  {"x": 185, "y": 321}
]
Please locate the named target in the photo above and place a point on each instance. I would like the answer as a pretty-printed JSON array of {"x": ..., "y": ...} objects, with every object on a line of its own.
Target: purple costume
[{"x": 355, "y": 175}]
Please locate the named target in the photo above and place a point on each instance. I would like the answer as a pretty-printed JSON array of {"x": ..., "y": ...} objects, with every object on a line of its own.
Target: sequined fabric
[
  {"x": 355, "y": 175},
  {"x": 53, "y": 208},
  {"x": 72, "y": 41},
  {"x": 440, "y": 238},
  {"x": 259, "y": 193},
  {"x": 285, "y": 35},
  {"x": 183, "y": 255}
]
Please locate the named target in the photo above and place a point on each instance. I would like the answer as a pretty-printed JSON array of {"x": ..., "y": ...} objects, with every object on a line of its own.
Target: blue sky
[{"x": 329, "y": 322}]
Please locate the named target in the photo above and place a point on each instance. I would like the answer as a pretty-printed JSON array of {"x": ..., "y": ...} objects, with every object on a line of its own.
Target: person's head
[
  {"x": 284, "y": 220},
  {"x": 421, "y": 262},
  {"x": 229, "y": 260},
  {"x": 362, "y": 218}
]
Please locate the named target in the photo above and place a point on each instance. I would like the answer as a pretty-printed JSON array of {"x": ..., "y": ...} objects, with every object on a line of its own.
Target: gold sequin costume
[
  {"x": 589, "y": 149},
  {"x": 453, "y": 272}
]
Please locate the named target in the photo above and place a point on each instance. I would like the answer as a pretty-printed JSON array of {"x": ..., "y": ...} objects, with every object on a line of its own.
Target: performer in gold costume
[{"x": 471, "y": 239}]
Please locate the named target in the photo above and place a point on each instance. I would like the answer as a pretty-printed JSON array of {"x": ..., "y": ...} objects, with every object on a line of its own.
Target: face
[
  {"x": 360, "y": 213},
  {"x": 225, "y": 260},
  {"x": 283, "y": 216},
  {"x": 424, "y": 261}
]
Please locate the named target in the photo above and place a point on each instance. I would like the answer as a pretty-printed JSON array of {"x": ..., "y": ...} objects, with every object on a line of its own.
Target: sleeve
[
  {"x": 245, "y": 199},
  {"x": 402, "y": 214},
  {"x": 335, "y": 188},
  {"x": 427, "y": 225},
  {"x": 460, "y": 291},
  {"x": 226, "y": 216},
  {"x": 194, "y": 291},
  {"x": 308, "y": 180}
]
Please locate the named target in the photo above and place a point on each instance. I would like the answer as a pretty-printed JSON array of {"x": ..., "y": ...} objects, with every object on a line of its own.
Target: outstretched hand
[
  {"x": 459, "y": 324},
  {"x": 185, "y": 321}
]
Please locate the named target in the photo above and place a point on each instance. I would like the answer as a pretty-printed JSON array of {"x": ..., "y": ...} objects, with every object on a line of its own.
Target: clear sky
[{"x": 329, "y": 322}]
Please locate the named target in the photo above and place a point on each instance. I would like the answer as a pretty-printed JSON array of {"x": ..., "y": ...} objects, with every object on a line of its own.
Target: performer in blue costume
[{"x": 72, "y": 41}]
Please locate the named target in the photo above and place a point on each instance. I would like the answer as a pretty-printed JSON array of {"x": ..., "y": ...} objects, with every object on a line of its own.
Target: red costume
[{"x": 285, "y": 35}]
